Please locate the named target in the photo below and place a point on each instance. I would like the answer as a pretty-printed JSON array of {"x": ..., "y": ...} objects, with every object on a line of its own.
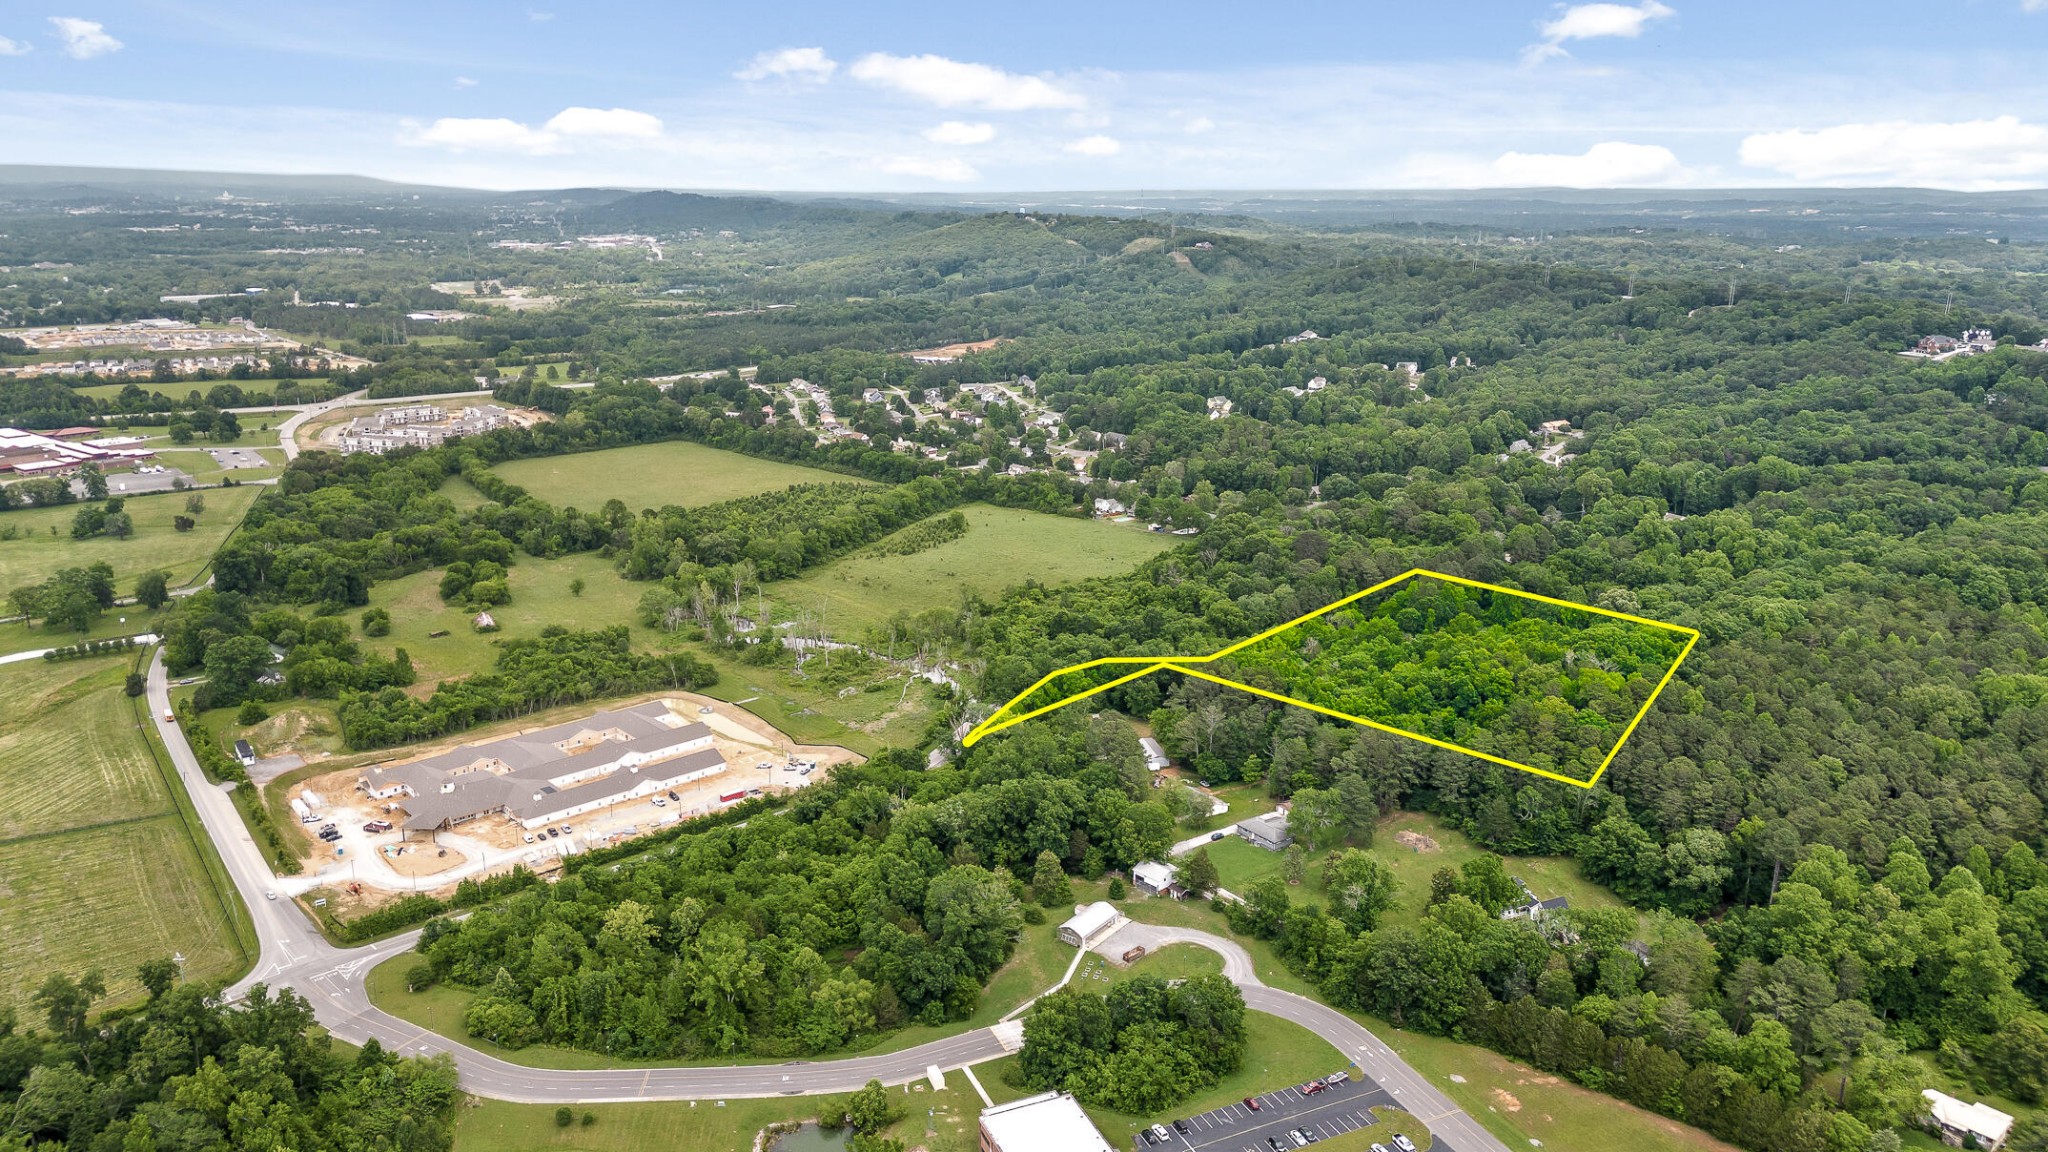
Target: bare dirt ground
[
  {"x": 757, "y": 754},
  {"x": 958, "y": 350},
  {"x": 1415, "y": 841}
]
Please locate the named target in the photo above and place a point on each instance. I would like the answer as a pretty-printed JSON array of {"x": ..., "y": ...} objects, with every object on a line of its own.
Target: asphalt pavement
[
  {"x": 1335, "y": 1110},
  {"x": 294, "y": 954}
]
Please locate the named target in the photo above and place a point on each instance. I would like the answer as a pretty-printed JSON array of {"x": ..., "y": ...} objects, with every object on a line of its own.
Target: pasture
[
  {"x": 857, "y": 594},
  {"x": 97, "y": 868},
  {"x": 655, "y": 475},
  {"x": 37, "y": 552}
]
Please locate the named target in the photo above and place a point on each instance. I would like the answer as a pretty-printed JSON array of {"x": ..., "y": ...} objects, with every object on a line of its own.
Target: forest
[
  {"x": 190, "y": 1072},
  {"x": 1831, "y": 822}
]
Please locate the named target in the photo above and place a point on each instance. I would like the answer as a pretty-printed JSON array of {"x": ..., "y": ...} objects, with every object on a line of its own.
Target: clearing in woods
[
  {"x": 1003, "y": 547},
  {"x": 97, "y": 868},
  {"x": 36, "y": 553},
  {"x": 655, "y": 475}
]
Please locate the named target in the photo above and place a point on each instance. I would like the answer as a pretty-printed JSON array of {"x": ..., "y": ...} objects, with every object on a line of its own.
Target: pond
[{"x": 811, "y": 1138}]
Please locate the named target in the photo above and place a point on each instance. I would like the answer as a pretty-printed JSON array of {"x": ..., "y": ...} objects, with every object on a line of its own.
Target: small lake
[{"x": 811, "y": 1138}]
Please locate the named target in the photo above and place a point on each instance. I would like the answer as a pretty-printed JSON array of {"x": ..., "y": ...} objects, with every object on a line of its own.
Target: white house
[
  {"x": 1959, "y": 1121},
  {"x": 1158, "y": 879},
  {"x": 1106, "y": 507},
  {"x": 1155, "y": 756}
]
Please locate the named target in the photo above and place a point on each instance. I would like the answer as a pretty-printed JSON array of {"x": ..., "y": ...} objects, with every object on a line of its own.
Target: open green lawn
[
  {"x": 37, "y": 554},
  {"x": 1241, "y": 865},
  {"x": 128, "y": 620},
  {"x": 540, "y": 597},
  {"x": 1039, "y": 960},
  {"x": 178, "y": 389},
  {"x": 655, "y": 475},
  {"x": 698, "y": 1126},
  {"x": 1002, "y": 547},
  {"x": 813, "y": 713},
  {"x": 97, "y": 867}
]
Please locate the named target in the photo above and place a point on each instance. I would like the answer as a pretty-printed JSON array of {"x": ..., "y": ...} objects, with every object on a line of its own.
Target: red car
[
  {"x": 1313, "y": 1087},
  {"x": 1251, "y": 1103}
]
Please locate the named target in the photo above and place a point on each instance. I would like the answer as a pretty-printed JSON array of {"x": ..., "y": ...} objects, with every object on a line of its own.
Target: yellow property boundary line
[{"x": 997, "y": 721}]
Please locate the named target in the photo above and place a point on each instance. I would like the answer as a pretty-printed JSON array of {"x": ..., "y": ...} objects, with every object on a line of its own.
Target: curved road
[{"x": 293, "y": 954}]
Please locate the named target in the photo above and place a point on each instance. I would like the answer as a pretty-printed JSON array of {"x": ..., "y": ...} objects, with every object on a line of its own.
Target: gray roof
[
  {"x": 520, "y": 773},
  {"x": 1271, "y": 826}
]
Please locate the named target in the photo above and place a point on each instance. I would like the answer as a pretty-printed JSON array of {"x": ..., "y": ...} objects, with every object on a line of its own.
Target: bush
[
  {"x": 589, "y": 1118},
  {"x": 564, "y": 1116},
  {"x": 136, "y": 685},
  {"x": 420, "y": 977},
  {"x": 376, "y": 622},
  {"x": 251, "y": 712},
  {"x": 1117, "y": 891}
]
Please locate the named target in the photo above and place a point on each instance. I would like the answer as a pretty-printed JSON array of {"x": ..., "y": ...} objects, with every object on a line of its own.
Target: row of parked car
[{"x": 550, "y": 832}]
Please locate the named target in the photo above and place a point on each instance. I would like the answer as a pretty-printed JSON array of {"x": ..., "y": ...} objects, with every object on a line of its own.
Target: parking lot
[
  {"x": 1337, "y": 1109},
  {"x": 239, "y": 458}
]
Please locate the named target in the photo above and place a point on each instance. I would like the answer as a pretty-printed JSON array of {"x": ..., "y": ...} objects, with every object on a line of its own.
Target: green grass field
[
  {"x": 1002, "y": 548},
  {"x": 178, "y": 389},
  {"x": 97, "y": 868},
  {"x": 1240, "y": 865},
  {"x": 654, "y": 475},
  {"x": 540, "y": 597},
  {"x": 37, "y": 554}
]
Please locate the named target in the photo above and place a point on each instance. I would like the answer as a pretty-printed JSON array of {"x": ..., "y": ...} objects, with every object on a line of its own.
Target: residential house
[
  {"x": 1107, "y": 507},
  {"x": 1219, "y": 407},
  {"x": 1268, "y": 831},
  {"x": 1154, "y": 878},
  {"x": 1960, "y": 1123},
  {"x": 872, "y": 396},
  {"x": 1155, "y": 756}
]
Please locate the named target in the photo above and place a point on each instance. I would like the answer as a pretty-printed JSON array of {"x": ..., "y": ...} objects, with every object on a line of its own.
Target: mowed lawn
[
  {"x": 540, "y": 597},
  {"x": 37, "y": 553},
  {"x": 656, "y": 475},
  {"x": 1240, "y": 865},
  {"x": 97, "y": 869},
  {"x": 1003, "y": 547}
]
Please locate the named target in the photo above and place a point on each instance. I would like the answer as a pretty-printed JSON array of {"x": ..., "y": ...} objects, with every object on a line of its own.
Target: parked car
[
  {"x": 1215, "y": 836},
  {"x": 1252, "y": 1102},
  {"x": 554, "y": 833},
  {"x": 529, "y": 837},
  {"x": 1380, "y": 1148},
  {"x": 1313, "y": 1087},
  {"x": 1149, "y": 1137},
  {"x": 660, "y": 803},
  {"x": 1160, "y": 1131},
  {"x": 1336, "y": 1077},
  {"x": 1403, "y": 1143},
  {"x": 568, "y": 828},
  {"x": 1307, "y": 1134},
  {"x": 1274, "y": 1143},
  {"x": 1294, "y": 1135},
  {"x": 1180, "y": 1126},
  {"x": 672, "y": 795}
]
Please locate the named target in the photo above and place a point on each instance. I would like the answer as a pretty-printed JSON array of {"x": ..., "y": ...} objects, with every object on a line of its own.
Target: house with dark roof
[
  {"x": 1268, "y": 831},
  {"x": 552, "y": 774}
]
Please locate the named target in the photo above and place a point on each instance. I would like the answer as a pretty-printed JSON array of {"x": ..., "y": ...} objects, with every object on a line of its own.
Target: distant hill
[
  {"x": 683, "y": 211},
  {"x": 59, "y": 182}
]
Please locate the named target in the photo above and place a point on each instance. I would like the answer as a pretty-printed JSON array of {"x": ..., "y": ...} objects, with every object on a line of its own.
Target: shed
[
  {"x": 1090, "y": 924},
  {"x": 1155, "y": 756},
  {"x": 1158, "y": 879},
  {"x": 245, "y": 753}
]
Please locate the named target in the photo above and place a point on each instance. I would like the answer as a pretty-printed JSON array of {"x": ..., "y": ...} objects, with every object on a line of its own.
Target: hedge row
[{"x": 90, "y": 648}]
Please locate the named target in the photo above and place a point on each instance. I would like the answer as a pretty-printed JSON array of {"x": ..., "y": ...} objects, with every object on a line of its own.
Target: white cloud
[
  {"x": 1198, "y": 125},
  {"x": 464, "y": 82},
  {"x": 1095, "y": 146},
  {"x": 956, "y": 84},
  {"x": 1972, "y": 154},
  {"x": 491, "y": 134},
  {"x": 604, "y": 122},
  {"x": 948, "y": 168},
  {"x": 83, "y": 39},
  {"x": 2034, "y": 5},
  {"x": 1610, "y": 164},
  {"x": 790, "y": 63},
  {"x": 498, "y": 134},
  {"x": 1592, "y": 22},
  {"x": 13, "y": 47},
  {"x": 539, "y": 17},
  {"x": 960, "y": 132}
]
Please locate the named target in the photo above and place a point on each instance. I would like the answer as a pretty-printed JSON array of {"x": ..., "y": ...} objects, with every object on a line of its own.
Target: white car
[
  {"x": 1403, "y": 1143},
  {"x": 270, "y": 895},
  {"x": 1160, "y": 1133},
  {"x": 660, "y": 803},
  {"x": 529, "y": 837}
]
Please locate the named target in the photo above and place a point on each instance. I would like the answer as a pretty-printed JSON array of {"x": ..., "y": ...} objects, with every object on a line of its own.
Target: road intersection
[{"x": 292, "y": 953}]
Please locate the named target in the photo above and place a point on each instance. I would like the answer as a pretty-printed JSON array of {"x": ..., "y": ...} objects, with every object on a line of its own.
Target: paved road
[
  {"x": 1454, "y": 1130},
  {"x": 294, "y": 954}
]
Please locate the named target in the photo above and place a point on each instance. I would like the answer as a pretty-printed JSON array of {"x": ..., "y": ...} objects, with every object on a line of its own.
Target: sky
[{"x": 1056, "y": 95}]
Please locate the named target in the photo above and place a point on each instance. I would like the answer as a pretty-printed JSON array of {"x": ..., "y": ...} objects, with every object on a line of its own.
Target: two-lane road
[{"x": 295, "y": 955}]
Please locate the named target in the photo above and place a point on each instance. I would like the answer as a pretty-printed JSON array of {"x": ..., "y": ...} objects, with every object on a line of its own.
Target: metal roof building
[{"x": 1047, "y": 1122}]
